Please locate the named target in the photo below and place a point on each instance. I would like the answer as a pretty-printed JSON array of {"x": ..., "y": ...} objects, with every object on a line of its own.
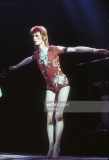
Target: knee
[
  {"x": 58, "y": 116},
  {"x": 50, "y": 118}
]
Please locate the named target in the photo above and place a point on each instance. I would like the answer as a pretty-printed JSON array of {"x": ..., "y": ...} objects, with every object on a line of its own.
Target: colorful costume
[{"x": 50, "y": 68}]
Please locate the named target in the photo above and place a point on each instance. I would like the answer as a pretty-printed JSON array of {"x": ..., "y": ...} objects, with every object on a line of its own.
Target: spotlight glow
[{"x": 0, "y": 92}]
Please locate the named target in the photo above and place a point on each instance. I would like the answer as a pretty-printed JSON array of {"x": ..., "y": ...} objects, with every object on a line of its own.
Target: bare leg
[
  {"x": 50, "y": 96},
  {"x": 62, "y": 96}
]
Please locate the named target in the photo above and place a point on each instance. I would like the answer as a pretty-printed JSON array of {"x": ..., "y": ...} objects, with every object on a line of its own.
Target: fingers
[
  {"x": 104, "y": 51},
  {"x": 11, "y": 68}
]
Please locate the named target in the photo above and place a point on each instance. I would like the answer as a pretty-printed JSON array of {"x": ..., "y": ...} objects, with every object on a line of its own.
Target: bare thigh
[
  {"x": 50, "y": 96},
  {"x": 62, "y": 98},
  {"x": 63, "y": 94}
]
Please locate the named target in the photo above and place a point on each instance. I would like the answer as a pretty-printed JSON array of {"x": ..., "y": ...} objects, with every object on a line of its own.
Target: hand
[
  {"x": 104, "y": 51},
  {"x": 13, "y": 67}
]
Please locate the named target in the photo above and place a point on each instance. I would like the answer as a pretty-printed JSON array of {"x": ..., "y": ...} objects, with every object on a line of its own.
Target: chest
[
  {"x": 46, "y": 57},
  {"x": 48, "y": 61},
  {"x": 42, "y": 55}
]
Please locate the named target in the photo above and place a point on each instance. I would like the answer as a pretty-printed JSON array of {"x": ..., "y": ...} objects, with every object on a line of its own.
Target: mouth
[{"x": 35, "y": 41}]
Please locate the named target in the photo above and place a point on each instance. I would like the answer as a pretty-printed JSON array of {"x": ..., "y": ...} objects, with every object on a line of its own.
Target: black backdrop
[{"x": 22, "y": 116}]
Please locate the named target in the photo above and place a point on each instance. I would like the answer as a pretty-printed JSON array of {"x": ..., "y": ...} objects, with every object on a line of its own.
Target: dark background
[{"x": 22, "y": 116}]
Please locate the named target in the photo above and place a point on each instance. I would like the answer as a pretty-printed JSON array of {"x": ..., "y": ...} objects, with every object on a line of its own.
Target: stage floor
[{"x": 5, "y": 156}]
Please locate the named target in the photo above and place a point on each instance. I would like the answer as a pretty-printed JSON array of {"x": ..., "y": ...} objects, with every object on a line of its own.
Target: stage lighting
[{"x": 0, "y": 92}]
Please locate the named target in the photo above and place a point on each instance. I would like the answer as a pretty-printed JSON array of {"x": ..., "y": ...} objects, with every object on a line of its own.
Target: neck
[{"x": 42, "y": 47}]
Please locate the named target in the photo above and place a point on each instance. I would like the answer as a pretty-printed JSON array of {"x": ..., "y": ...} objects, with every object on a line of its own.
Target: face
[{"x": 37, "y": 38}]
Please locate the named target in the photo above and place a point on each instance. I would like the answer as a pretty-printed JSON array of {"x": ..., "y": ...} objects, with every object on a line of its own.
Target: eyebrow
[{"x": 35, "y": 35}]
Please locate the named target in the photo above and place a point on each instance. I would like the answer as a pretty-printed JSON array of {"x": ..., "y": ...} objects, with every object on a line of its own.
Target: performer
[{"x": 47, "y": 58}]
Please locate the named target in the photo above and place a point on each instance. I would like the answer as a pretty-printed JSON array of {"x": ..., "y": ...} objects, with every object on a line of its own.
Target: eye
[{"x": 35, "y": 36}]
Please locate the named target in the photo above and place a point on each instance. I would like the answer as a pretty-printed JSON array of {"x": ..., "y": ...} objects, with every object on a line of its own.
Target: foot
[
  {"x": 50, "y": 153},
  {"x": 56, "y": 153}
]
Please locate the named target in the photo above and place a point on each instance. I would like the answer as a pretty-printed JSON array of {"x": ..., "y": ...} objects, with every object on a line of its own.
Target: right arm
[{"x": 24, "y": 62}]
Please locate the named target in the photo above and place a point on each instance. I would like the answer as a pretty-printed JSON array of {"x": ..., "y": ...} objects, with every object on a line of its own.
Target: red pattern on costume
[{"x": 51, "y": 70}]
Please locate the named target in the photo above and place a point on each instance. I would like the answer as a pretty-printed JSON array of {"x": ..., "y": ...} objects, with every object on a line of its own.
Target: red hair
[{"x": 43, "y": 33}]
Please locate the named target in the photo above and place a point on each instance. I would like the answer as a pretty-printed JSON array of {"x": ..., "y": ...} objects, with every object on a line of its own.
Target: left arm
[{"x": 82, "y": 49}]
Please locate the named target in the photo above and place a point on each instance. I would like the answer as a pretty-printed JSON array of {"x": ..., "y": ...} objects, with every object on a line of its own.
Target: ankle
[
  {"x": 56, "y": 147},
  {"x": 51, "y": 147}
]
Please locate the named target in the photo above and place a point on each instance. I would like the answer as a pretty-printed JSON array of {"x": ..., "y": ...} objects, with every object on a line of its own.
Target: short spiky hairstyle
[{"x": 43, "y": 33}]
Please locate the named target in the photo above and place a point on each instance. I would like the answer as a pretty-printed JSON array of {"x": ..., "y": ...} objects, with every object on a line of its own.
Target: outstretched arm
[
  {"x": 82, "y": 49},
  {"x": 24, "y": 62}
]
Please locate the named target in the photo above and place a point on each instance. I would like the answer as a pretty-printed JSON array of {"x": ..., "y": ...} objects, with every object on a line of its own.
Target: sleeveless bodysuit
[{"x": 50, "y": 68}]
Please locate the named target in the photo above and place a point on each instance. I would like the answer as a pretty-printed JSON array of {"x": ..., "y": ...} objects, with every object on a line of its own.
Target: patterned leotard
[{"x": 50, "y": 68}]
